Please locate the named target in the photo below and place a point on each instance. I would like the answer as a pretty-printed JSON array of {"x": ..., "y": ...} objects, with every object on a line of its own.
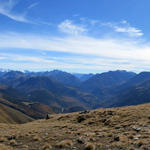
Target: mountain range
[{"x": 35, "y": 94}]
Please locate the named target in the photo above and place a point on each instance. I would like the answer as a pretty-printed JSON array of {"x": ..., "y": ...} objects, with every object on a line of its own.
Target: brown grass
[
  {"x": 3, "y": 139},
  {"x": 13, "y": 142},
  {"x": 99, "y": 130},
  {"x": 36, "y": 138},
  {"x": 4, "y": 147},
  {"x": 47, "y": 147},
  {"x": 65, "y": 143},
  {"x": 90, "y": 146}
]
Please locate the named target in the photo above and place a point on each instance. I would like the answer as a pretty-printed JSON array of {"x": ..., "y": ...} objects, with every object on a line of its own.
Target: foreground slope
[{"x": 102, "y": 129}]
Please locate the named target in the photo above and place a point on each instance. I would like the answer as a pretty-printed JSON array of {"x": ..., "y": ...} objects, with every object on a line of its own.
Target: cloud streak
[
  {"x": 68, "y": 27},
  {"x": 80, "y": 64},
  {"x": 124, "y": 27},
  {"x": 93, "y": 53},
  {"x": 131, "y": 31},
  {"x": 33, "y": 5},
  {"x": 116, "y": 48},
  {"x": 6, "y": 8},
  {"x": 86, "y": 51}
]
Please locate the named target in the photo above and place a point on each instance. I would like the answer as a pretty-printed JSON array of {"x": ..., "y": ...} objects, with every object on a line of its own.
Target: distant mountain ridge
[
  {"x": 134, "y": 91},
  {"x": 99, "y": 83},
  {"x": 37, "y": 93},
  {"x": 83, "y": 77},
  {"x": 47, "y": 89}
]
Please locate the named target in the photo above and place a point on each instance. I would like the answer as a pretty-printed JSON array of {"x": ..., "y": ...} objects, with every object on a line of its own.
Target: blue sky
[{"x": 75, "y": 35}]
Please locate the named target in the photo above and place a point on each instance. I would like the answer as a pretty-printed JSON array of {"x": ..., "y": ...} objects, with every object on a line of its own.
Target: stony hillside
[{"x": 126, "y": 128}]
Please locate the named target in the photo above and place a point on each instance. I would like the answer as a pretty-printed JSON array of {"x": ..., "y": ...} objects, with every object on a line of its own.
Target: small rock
[
  {"x": 84, "y": 112},
  {"x": 80, "y": 119},
  {"x": 110, "y": 112},
  {"x": 107, "y": 122},
  {"x": 116, "y": 138},
  {"x": 46, "y": 134},
  {"x": 48, "y": 116},
  {"x": 136, "y": 129},
  {"x": 104, "y": 120},
  {"x": 139, "y": 144},
  {"x": 91, "y": 122},
  {"x": 135, "y": 138},
  {"x": 12, "y": 137},
  {"x": 81, "y": 140}
]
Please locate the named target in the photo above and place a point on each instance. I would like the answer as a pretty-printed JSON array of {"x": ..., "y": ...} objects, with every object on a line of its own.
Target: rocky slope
[{"x": 126, "y": 128}]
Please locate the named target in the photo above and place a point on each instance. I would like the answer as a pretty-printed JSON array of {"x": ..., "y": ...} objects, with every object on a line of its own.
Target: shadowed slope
[{"x": 10, "y": 115}]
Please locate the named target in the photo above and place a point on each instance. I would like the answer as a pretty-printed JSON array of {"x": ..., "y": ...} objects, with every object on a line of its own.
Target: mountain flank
[{"x": 10, "y": 115}]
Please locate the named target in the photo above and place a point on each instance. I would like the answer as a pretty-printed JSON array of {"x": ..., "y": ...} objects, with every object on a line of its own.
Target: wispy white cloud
[
  {"x": 98, "y": 53},
  {"x": 22, "y": 58},
  {"x": 32, "y": 5},
  {"x": 116, "y": 48},
  {"x": 94, "y": 53},
  {"x": 131, "y": 31},
  {"x": 80, "y": 64},
  {"x": 6, "y": 8},
  {"x": 88, "y": 26},
  {"x": 124, "y": 27},
  {"x": 67, "y": 26},
  {"x": 94, "y": 22}
]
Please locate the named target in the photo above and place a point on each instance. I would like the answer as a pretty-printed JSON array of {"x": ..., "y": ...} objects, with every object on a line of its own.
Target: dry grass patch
[
  {"x": 90, "y": 146},
  {"x": 13, "y": 142},
  {"x": 36, "y": 138},
  {"x": 65, "y": 143},
  {"x": 3, "y": 139},
  {"x": 47, "y": 147},
  {"x": 4, "y": 147}
]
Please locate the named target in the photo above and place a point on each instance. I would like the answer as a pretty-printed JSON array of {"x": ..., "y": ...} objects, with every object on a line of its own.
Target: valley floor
[{"x": 126, "y": 128}]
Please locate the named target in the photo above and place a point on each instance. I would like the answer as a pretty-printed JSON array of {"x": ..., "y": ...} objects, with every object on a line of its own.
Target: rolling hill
[{"x": 120, "y": 128}]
